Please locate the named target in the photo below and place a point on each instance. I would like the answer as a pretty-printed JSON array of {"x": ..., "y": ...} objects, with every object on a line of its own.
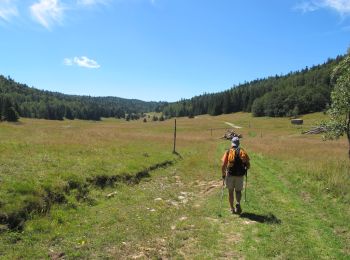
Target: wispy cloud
[
  {"x": 340, "y": 6},
  {"x": 50, "y": 12},
  {"x": 82, "y": 61},
  {"x": 68, "y": 62},
  {"x": 306, "y": 7},
  {"x": 92, "y": 2},
  {"x": 47, "y": 12},
  {"x": 8, "y": 10}
]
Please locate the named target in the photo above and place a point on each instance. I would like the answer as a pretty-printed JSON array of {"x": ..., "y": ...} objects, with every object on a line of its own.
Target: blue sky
[{"x": 164, "y": 49}]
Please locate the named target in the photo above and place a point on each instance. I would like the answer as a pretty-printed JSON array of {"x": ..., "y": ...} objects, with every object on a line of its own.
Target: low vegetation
[{"x": 113, "y": 189}]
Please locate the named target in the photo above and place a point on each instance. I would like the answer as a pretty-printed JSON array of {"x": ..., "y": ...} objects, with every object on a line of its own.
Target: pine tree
[
  {"x": 11, "y": 114},
  {"x": 69, "y": 114}
]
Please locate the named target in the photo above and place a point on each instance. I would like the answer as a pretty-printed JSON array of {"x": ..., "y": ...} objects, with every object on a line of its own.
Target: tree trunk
[{"x": 348, "y": 132}]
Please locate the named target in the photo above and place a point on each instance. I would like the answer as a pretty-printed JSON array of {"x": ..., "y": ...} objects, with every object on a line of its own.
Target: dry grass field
[{"x": 113, "y": 189}]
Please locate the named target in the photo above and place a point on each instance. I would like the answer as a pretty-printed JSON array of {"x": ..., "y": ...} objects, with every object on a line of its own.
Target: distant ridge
[
  {"x": 296, "y": 93},
  {"x": 299, "y": 92},
  {"x": 35, "y": 103}
]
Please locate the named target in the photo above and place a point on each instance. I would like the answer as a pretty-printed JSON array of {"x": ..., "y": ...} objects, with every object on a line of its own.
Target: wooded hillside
[
  {"x": 19, "y": 99},
  {"x": 296, "y": 93}
]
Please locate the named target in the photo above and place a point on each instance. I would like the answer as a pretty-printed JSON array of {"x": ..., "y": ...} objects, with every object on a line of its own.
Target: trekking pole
[
  {"x": 245, "y": 189},
  {"x": 222, "y": 195}
]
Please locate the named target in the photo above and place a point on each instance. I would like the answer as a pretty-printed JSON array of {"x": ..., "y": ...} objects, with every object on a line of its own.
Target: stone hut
[{"x": 297, "y": 121}]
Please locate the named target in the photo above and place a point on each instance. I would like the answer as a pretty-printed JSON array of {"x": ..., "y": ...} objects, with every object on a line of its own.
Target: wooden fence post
[{"x": 174, "y": 150}]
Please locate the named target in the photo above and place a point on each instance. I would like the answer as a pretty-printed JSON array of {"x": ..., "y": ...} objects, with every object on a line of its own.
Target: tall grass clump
[{"x": 335, "y": 176}]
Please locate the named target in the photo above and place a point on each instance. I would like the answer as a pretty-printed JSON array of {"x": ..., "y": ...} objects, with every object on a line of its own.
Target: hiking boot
[{"x": 238, "y": 209}]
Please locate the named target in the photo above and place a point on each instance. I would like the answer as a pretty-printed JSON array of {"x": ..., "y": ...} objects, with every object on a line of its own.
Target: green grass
[
  {"x": 298, "y": 191},
  {"x": 39, "y": 156},
  {"x": 302, "y": 232},
  {"x": 285, "y": 217}
]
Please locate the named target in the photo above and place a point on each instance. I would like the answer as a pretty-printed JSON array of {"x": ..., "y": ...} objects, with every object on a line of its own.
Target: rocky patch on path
[
  {"x": 206, "y": 187},
  {"x": 182, "y": 199}
]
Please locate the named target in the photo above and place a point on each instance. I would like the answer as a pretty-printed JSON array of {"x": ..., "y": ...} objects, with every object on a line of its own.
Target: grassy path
[
  {"x": 303, "y": 231},
  {"x": 281, "y": 219}
]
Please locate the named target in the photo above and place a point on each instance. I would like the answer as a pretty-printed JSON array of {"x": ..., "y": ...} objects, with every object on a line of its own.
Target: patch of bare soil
[
  {"x": 153, "y": 249},
  {"x": 208, "y": 187},
  {"x": 306, "y": 196},
  {"x": 56, "y": 255},
  {"x": 188, "y": 248}
]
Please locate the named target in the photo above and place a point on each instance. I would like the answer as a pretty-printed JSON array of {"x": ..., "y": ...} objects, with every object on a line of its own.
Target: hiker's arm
[
  {"x": 247, "y": 165},
  {"x": 224, "y": 164},
  {"x": 223, "y": 170},
  {"x": 246, "y": 160}
]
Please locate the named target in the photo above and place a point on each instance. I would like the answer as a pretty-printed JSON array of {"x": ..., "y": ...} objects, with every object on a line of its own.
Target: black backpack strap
[{"x": 237, "y": 150}]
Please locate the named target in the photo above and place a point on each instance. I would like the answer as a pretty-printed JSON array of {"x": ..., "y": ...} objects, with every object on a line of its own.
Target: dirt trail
[
  {"x": 233, "y": 125},
  {"x": 190, "y": 199}
]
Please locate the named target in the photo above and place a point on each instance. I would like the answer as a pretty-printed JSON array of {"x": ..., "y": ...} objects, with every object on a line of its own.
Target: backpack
[{"x": 235, "y": 165}]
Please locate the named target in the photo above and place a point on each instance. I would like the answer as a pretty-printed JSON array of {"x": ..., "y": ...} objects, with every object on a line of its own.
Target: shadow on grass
[
  {"x": 177, "y": 154},
  {"x": 267, "y": 219}
]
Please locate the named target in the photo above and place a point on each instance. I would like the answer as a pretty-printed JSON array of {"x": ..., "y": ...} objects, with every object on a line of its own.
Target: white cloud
[
  {"x": 68, "y": 62},
  {"x": 340, "y": 6},
  {"x": 7, "y": 10},
  {"x": 86, "y": 62},
  {"x": 47, "y": 12},
  {"x": 91, "y": 2},
  {"x": 306, "y": 7},
  {"x": 82, "y": 61},
  {"x": 50, "y": 12}
]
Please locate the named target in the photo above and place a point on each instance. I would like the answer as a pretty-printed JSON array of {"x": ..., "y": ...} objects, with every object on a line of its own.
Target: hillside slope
[
  {"x": 299, "y": 92},
  {"x": 296, "y": 93},
  {"x": 35, "y": 103}
]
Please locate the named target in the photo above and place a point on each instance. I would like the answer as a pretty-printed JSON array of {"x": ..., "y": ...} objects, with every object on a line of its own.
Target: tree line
[
  {"x": 299, "y": 92},
  {"x": 19, "y": 100}
]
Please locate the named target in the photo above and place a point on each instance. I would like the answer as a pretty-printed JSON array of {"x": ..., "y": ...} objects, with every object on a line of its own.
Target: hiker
[{"x": 235, "y": 164}]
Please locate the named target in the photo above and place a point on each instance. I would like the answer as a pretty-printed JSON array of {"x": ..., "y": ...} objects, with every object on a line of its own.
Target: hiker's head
[{"x": 235, "y": 141}]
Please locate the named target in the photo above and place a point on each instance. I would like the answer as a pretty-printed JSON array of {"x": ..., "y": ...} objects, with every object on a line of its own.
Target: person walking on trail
[{"x": 235, "y": 163}]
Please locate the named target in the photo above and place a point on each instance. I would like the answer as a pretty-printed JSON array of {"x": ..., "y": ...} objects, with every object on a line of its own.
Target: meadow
[{"x": 114, "y": 189}]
